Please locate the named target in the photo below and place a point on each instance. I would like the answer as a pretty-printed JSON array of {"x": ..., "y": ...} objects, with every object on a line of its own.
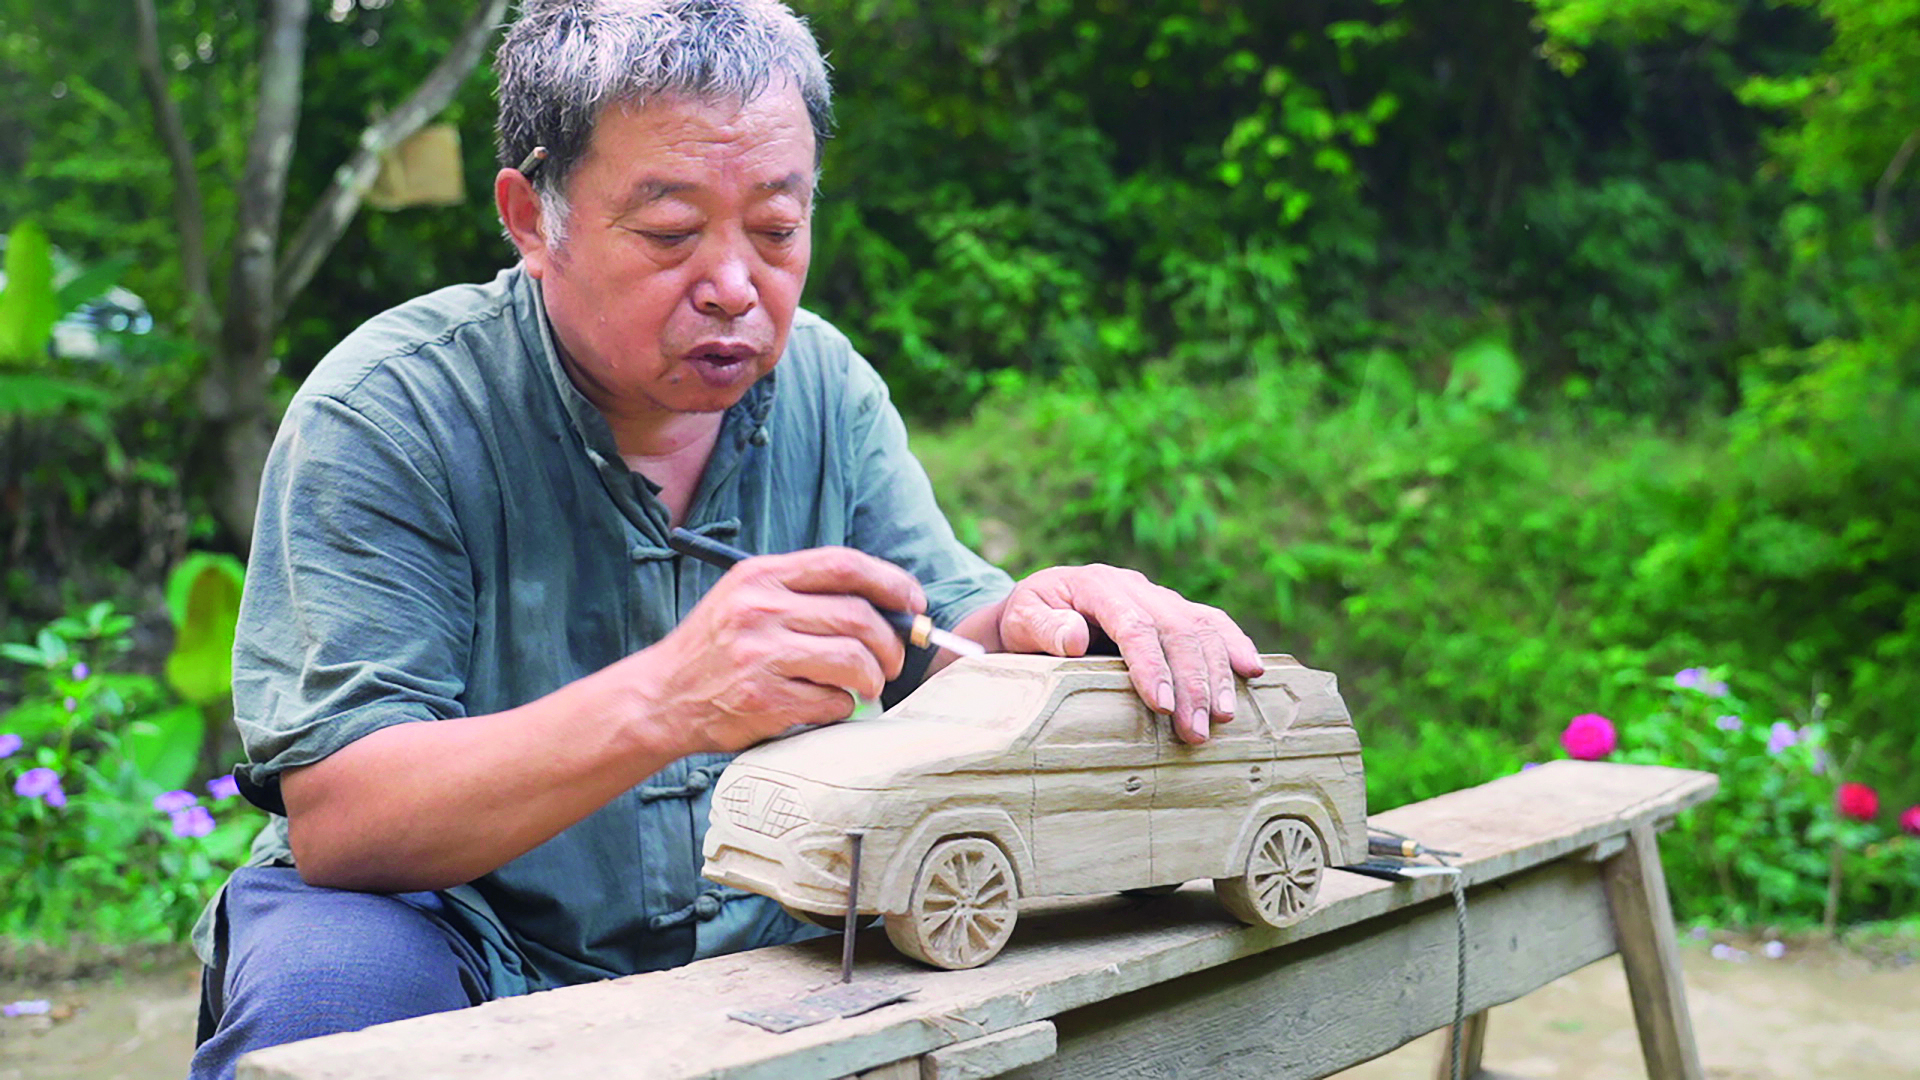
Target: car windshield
[{"x": 1005, "y": 703}]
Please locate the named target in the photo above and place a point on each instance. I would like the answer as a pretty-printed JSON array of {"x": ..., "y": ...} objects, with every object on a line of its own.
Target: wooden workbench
[{"x": 1562, "y": 871}]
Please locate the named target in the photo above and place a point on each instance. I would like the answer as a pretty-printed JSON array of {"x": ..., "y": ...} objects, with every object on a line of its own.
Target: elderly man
[{"x": 484, "y": 697}]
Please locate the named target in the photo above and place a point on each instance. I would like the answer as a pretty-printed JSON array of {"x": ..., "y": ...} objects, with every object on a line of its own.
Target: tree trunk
[
  {"x": 262, "y": 283},
  {"x": 233, "y": 393}
]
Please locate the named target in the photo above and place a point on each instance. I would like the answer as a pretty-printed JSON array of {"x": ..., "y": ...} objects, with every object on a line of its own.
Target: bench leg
[
  {"x": 1473, "y": 1039},
  {"x": 1643, "y": 924}
]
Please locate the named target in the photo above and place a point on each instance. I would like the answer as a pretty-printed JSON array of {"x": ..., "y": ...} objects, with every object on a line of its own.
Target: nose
[{"x": 727, "y": 291}]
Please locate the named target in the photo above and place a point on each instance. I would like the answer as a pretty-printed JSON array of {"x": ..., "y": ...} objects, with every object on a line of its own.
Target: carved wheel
[
  {"x": 962, "y": 908},
  {"x": 1282, "y": 876}
]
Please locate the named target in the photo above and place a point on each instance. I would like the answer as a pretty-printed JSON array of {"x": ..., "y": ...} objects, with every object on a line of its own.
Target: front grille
[{"x": 765, "y": 806}]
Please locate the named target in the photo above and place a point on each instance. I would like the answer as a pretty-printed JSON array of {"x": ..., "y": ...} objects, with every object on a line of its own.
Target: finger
[
  {"x": 1192, "y": 706},
  {"x": 845, "y": 571},
  {"x": 1032, "y": 625},
  {"x": 1143, "y": 648},
  {"x": 850, "y": 617},
  {"x": 1222, "y": 686},
  {"x": 816, "y": 703},
  {"x": 830, "y": 661},
  {"x": 1242, "y": 653}
]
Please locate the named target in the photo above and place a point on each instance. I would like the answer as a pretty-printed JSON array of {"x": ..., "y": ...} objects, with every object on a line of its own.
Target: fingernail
[
  {"x": 1223, "y": 704},
  {"x": 1201, "y": 723},
  {"x": 1163, "y": 697}
]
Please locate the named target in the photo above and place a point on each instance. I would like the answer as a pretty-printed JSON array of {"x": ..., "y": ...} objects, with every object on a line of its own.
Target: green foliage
[
  {"x": 115, "y": 851},
  {"x": 28, "y": 304},
  {"x": 203, "y": 596}
]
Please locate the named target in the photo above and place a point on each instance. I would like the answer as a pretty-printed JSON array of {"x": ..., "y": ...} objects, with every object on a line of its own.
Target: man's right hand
[{"x": 780, "y": 640}]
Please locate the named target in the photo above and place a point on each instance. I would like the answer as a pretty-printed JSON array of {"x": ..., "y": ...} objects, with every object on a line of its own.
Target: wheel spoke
[{"x": 932, "y": 921}]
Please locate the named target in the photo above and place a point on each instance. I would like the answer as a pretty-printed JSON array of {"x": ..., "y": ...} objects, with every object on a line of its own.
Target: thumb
[{"x": 1037, "y": 628}]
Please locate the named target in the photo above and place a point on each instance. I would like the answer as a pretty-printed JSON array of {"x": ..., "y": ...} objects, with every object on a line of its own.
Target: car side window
[{"x": 1100, "y": 718}]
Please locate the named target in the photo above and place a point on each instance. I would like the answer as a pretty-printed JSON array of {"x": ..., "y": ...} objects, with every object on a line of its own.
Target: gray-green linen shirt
[{"x": 447, "y": 529}]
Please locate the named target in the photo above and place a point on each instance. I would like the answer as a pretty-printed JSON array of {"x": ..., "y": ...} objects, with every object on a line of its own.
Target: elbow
[
  {"x": 333, "y": 862},
  {"x": 320, "y": 861}
]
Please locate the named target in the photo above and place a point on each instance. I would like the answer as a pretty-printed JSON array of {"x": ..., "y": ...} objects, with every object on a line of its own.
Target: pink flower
[
  {"x": 1910, "y": 820},
  {"x": 1858, "y": 801},
  {"x": 1589, "y": 737}
]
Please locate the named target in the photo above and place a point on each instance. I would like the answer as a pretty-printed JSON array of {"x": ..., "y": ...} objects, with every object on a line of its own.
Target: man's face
[{"x": 685, "y": 253}]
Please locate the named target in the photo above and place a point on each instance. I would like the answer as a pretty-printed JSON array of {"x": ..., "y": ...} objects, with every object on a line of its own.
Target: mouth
[{"x": 723, "y": 363}]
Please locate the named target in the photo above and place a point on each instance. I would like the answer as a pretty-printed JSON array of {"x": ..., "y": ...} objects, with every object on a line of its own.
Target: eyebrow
[
  {"x": 653, "y": 189},
  {"x": 790, "y": 183}
]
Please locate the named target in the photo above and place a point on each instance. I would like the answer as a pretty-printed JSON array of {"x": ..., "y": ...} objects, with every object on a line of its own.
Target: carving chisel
[{"x": 916, "y": 629}]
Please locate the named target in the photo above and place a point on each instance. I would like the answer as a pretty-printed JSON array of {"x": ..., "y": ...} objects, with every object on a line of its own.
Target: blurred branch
[
  {"x": 1898, "y": 165},
  {"x": 188, "y": 211},
  {"x": 338, "y": 204}
]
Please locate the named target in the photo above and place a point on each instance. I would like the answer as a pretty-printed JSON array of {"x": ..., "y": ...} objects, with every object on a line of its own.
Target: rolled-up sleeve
[{"x": 358, "y": 608}]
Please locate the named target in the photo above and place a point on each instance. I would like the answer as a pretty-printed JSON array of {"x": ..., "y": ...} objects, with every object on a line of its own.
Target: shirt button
[
  {"x": 698, "y": 782},
  {"x": 759, "y": 437},
  {"x": 706, "y": 906}
]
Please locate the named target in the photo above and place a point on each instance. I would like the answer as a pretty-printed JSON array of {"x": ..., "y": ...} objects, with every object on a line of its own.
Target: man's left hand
[{"x": 1183, "y": 657}]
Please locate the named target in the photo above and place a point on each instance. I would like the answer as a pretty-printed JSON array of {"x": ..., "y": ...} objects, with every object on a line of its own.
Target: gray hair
[{"x": 564, "y": 61}]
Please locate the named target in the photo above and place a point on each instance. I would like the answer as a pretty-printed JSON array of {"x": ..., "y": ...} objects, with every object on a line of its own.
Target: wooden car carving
[{"x": 1007, "y": 777}]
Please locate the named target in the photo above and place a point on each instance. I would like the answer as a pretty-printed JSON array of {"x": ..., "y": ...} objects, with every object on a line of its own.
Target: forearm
[{"x": 431, "y": 805}]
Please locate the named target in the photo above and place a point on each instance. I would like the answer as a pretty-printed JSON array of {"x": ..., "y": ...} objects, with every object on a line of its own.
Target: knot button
[{"x": 706, "y": 906}]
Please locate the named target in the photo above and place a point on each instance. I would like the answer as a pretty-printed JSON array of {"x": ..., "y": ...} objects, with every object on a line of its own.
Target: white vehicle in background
[{"x": 89, "y": 330}]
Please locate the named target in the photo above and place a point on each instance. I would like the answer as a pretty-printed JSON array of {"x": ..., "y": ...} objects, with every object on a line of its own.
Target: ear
[{"x": 519, "y": 207}]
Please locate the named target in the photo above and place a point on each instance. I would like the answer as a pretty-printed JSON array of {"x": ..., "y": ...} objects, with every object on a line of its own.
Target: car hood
[{"x": 879, "y": 754}]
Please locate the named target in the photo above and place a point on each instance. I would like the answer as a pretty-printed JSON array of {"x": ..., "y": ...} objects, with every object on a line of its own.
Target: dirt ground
[{"x": 1817, "y": 1012}]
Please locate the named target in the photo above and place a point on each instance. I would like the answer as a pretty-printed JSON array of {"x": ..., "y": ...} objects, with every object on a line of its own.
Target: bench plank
[{"x": 1065, "y": 955}]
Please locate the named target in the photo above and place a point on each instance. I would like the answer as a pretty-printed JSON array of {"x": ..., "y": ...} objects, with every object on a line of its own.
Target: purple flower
[
  {"x": 1774, "y": 950},
  {"x": 1727, "y": 723},
  {"x": 223, "y": 788},
  {"x": 194, "y": 821},
  {"x": 26, "y": 1008},
  {"x": 36, "y": 782},
  {"x": 1714, "y": 688},
  {"x": 1821, "y": 762},
  {"x": 1689, "y": 678},
  {"x": 81, "y": 671},
  {"x": 56, "y": 798},
  {"x": 173, "y": 802},
  {"x": 70, "y": 705},
  {"x": 1529, "y": 765},
  {"x": 1781, "y": 736},
  {"x": 9, "y": 745}
]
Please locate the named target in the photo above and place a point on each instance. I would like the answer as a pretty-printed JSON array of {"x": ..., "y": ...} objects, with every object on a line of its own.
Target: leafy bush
[{"x": 100, "y": 835}]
